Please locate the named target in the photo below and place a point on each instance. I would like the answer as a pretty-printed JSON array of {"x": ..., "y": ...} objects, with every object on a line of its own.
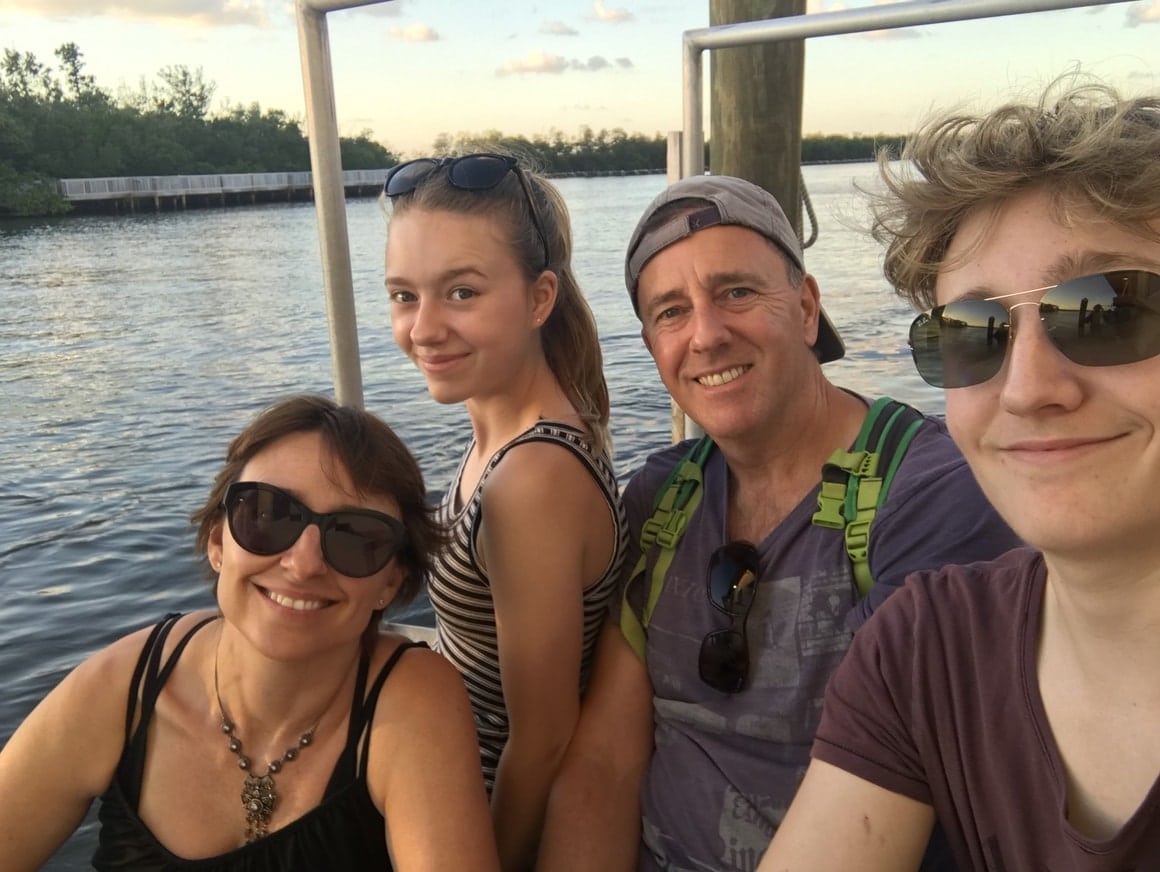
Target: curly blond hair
[{"x": 1096, "y": 154}]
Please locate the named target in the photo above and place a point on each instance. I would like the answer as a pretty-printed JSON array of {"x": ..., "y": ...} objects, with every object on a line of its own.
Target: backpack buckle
[{"x": 674, "y": 527}]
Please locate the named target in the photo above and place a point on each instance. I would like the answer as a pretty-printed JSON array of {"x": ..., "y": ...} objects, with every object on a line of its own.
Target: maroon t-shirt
[{"x": 938, "y": 700}]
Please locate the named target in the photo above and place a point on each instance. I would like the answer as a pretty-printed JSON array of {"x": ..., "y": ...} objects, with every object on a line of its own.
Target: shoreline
[{"x": 118, "y": 195}]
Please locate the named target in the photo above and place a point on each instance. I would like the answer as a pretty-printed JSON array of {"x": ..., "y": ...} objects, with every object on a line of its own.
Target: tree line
[
  {"x": 613, "y": 151},
  {"x": 58, "y": 123}
]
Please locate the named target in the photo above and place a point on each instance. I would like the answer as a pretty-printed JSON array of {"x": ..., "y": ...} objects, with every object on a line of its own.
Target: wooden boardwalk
[
  {"x": 167, "y": 193},
  {"x": 163, "y": 193}
]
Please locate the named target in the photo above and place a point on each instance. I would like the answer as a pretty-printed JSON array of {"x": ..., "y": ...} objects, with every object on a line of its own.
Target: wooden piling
[{"x": 755, "y": 104}]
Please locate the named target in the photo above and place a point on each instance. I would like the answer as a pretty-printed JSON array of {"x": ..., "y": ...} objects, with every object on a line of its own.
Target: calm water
[{"x": 133, "y": 348}]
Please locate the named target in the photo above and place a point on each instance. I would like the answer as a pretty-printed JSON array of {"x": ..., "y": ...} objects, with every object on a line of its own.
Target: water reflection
[{"x": 1106, "y": 319}]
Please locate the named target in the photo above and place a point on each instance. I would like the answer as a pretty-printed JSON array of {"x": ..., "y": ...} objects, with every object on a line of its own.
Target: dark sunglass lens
[
  {"x": 732, "y": 577},
  {"x": 724, "y": 661},
  {"x": 406, "y": 177},
  {"x": 960, "y": 344},
  {"x": 264, "y": 521},
  {"x": 1109, "y": 319},
  {"x": 479, "y": 172},
  {"x": 359, "y": 545}
]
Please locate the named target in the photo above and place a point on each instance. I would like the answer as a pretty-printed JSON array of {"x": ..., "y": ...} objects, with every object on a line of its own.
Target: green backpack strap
[
  {"x": 855, "y": 483},
  {"x": 674, "y": 504}
]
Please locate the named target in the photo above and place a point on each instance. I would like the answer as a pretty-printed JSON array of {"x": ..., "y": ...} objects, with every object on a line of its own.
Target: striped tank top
[{"x": 461, "y": 595}]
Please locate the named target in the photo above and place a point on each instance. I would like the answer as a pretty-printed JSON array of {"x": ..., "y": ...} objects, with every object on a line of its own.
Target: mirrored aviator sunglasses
[
  {"x": 731, "y": 586},
  {"x": 1105, "y": 319},
  {"x": 265, "y": 520},
  {"x": 469, "y": 172}
]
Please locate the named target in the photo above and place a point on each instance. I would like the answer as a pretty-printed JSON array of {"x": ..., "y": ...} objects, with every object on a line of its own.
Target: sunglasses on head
[
  {"x": 731, "y": 586},
  {"x": 471, "y": 172},
  {"x": 266, "y": 520},
  {"x": 1106, "y": 319}
]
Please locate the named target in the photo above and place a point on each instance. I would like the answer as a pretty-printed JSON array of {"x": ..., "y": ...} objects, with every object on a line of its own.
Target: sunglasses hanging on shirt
[{"x": 731, "y": 587}]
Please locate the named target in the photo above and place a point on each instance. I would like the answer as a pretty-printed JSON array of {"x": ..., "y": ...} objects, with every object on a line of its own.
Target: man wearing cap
[{"x": 671, "y": 767}]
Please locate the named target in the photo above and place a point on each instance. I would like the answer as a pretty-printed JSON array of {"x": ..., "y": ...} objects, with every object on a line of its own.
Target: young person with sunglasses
[
  {"x": 758, "y": 604},
  {"x": 1017, "y": 701},
  {"x": 484, "y": 301},
  {"x": 284, "y": 731}
]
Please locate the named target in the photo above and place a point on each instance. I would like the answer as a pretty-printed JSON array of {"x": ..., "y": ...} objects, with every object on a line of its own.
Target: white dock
[{"x": 158, "y": 193}]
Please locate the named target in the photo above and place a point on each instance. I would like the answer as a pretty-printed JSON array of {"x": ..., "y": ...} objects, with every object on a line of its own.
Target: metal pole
[
  {"x": 330, "y": 200},
  {"x": 693, "y": 134},
  {"x": 334, "y": 5},
  {"x": 885, "y": 17}
]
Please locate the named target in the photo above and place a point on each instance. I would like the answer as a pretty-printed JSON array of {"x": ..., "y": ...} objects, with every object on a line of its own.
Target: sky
[{"x": 407, "y": 70}]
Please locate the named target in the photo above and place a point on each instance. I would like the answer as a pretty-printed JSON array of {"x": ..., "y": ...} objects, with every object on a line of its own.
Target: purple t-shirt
[
  {"x": 725, "y": 767},
  {"x": 939, "y": 701}
]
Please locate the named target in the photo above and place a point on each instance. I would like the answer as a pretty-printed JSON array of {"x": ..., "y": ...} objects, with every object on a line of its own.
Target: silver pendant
[{"x": 258, "y": 800}]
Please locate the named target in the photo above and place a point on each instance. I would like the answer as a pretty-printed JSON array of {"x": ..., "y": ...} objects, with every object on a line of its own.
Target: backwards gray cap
[{"x": 727, "y": 200}]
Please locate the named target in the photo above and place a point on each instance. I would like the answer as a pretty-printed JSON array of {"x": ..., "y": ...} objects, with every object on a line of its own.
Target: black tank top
[{"x": 344, "y": 832}]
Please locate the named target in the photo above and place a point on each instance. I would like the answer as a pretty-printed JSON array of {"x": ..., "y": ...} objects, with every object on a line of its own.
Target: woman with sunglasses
[
  {"x": 1018, "y": 702},
  {"x": 484, "y": 301},
  {"x": 284, "y": 731}
]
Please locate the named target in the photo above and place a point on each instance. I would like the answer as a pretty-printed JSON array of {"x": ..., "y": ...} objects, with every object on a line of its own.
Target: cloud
[
  {"x": 557, "y": 28},
  {"x": 1144, "y": 15},
  {"x": 593, "y": 64},
  {"x": 546, "y": 62},
  {"x": 383, "y": 10},
  {"x": 533, "y": 62},
  {"x": 611, "y": 16},
  {"x": 893, "y": 33},
  {"x": 205, "y": 13},
  {"x": 413, "y": 33}
]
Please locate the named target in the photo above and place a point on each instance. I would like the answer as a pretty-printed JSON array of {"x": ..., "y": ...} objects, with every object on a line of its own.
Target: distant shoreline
[{"x": 154, "y": 194}]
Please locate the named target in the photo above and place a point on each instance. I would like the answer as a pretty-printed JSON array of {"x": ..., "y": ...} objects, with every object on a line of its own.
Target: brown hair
[
  {"x": 1095, "y": 153},
  {"x": 378, "y": 462},
  {"x": 570, "y": 340}
]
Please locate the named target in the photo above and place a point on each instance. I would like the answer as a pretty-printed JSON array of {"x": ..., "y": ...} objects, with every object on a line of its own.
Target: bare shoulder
[
  {"x": 533, "y": 476},
  {"x": 422, "y": 684},
  {"x": 111, "y": 668},
  {"x": 422, "y": 708},
  {"x": 96, "y": 694}
]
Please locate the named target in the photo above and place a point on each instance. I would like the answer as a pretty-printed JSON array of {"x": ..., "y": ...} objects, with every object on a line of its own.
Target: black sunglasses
[
  {"x": 1107, "y": 319},
  {"x": 731, "y": 586},
  {"x": 266, "y": 520},
  {"x": 471, "y": 172}
]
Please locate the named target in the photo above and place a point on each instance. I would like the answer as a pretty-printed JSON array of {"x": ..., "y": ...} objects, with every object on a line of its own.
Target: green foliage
[
  {"x": 615, "y": 150},
  {"x": 29, "y": 194},
  {"x": 59, "y": 125},
  {"x": 588, "y": 152},
  {"x": 363, "y": 153},
  {"x": 822, "y": 148}
]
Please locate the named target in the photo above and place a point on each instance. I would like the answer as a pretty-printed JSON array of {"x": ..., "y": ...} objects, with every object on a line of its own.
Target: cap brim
[{"x": 829, "y": 345}]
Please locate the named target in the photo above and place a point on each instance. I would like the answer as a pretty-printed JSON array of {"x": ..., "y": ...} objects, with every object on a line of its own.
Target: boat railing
[{"x": 322, "y": 121}]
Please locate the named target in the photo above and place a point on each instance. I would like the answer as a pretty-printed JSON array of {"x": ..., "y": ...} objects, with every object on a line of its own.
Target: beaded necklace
[{"x": 259, "y": 792}]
